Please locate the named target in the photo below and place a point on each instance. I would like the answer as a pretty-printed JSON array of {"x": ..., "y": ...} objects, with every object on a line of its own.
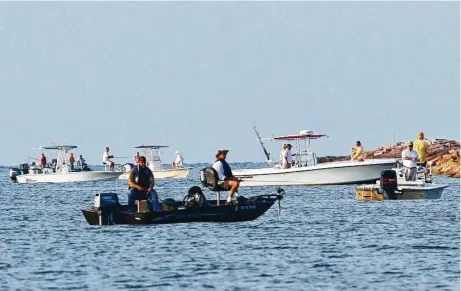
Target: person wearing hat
[
  {"x": 421, "y": 146},
  {"x": 178, "y": 162},
  {"x": 409, "y": 157},
  {"x": 226, "y": 179}
]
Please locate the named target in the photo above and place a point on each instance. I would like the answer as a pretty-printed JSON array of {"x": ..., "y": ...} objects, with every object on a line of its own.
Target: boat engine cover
[
  {"x": 13, "y": 173},
  {"x": 388, "y": 181},
  {"x": 106, "y": 200}
]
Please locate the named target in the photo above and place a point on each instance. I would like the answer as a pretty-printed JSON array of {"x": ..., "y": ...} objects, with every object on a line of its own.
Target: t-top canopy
[
  {"x": 150, "y": 147},
  {"x": 298, "y": 136},
  {"x": 58, "y": 147}
]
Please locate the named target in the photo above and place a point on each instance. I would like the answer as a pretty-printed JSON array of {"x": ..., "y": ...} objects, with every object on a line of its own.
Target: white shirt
[
  {"x": 105, "y": 157},
  {"x": 220, "y": 169},
  {"x": 410, "y": 154},
  {"x": 288, "y": 156},
  {"x": 179, "y": 159}
]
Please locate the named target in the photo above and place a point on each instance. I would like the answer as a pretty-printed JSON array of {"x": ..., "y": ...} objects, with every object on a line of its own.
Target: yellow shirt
[
  {"x": 421, "y": 147},
  {"x": 359, "y": 154}
]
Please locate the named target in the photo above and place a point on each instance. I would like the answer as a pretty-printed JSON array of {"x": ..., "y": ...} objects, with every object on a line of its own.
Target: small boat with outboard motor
[
  {"x": 59, "y": 171},
  {"x": 305, "y": 169},
  {"x": 154, "y": 163},
  {"x": 393, "y": 186},
  {"x": 193, "y": 208}
]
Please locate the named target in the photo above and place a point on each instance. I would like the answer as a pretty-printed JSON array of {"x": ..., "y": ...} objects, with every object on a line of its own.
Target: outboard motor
[
  {"x": 388, "y": 183},
  {"x": 13, "y": 173},
  {"x": 108, "y": 205}
]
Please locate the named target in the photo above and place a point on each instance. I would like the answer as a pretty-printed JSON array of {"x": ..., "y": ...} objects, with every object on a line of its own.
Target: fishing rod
[{"x": 269, "y": 161}]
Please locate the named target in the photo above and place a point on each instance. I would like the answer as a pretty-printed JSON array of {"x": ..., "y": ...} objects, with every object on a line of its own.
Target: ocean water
[{"x": 323, "y": 240}]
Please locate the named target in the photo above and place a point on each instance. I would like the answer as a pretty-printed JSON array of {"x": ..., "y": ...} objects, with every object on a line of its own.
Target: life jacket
[
  {"x": 142, "y": 180},
  {"x": 226, "y": 168}
]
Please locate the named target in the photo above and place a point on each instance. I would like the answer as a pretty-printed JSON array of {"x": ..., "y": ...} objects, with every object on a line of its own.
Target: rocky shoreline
[{"x": 443, "y": 153}]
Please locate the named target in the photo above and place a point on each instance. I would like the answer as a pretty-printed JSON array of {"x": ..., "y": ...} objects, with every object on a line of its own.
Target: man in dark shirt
[{"x": 141, "y": 183}]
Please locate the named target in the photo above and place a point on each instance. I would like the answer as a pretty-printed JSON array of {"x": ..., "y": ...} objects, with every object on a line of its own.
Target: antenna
[{"x": 269, "y": 161}]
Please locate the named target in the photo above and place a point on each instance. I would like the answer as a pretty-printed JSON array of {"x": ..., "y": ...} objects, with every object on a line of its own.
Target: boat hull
[
  {"x": 211, "y": 213},
  {"x": 322, "y": 174},
  {"x": 166, "y": 173},
  {"x": 374, "y": 193},
  {"x": 67, "y": 177}
]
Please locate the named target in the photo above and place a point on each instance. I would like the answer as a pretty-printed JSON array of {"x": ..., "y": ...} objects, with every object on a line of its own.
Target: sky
[{"x": 196, "y": 75}]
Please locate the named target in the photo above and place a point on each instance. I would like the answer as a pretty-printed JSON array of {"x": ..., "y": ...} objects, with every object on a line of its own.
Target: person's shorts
[
  {"x": 224, "y": 184},
  {"x": 108, "y": 162},
  {"x": 422, "y": 164}
]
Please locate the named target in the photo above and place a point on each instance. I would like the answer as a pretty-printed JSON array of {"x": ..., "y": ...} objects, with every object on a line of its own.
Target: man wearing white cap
[
  {"x": 226, "y": 178},
  {"x": 409, "y": 157},
  {"x": 178, "y": 162}
]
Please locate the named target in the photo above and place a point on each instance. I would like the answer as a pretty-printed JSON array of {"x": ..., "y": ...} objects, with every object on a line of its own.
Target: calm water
[{"x": 324, "y": 240}]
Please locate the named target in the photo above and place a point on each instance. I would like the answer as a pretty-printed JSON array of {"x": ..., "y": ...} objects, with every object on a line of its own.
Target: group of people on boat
[
  {"x": 414, "y": 156},
  {"x": 286, "y": 158},
  {"x": 81, "y": 163},
  {"x": 141, "y": 182}
]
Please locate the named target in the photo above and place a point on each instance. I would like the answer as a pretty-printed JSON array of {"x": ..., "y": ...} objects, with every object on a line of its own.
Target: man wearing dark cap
[
  {"x": 141, "y": 183},
  {"x": 287, "y": 157},
  {"x": 226, "y": 179}
]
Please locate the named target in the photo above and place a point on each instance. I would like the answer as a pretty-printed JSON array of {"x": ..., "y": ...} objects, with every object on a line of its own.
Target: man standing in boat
[
  {"x": 287, "y": 157},
  {"x": 421, "y": 146},
  {"x": 141, "y": 183},
  {"x": 226, "y": 179},
  {"x": 178, "y": 162},
  {"x": 106, "y": 159},
  {"x": 43, "y": 161},
  {"x": 409, "y": 157}
]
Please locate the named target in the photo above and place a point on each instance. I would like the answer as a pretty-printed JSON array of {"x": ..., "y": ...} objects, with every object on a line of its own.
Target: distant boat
[
  {"x": 59, "y": 171},
  {"x": 306, "y": 170},
  {"x": 154, "y": 163},
  {"x": 392, "y": 186}
]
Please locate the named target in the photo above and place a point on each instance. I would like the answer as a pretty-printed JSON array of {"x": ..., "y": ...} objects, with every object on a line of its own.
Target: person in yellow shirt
[
  {"x": 421, "y": 146},
  {"x": 358, "y": 154}
]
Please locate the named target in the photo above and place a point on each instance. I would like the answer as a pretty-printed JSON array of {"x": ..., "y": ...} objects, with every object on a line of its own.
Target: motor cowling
[
  {"x": 388, "y": 182},
  {"x": 13, "y": 173},
  {"x": 106, "y": 200}
]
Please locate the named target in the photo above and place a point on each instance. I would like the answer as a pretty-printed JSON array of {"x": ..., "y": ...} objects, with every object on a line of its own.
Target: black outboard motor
[
  {"x": 108, "y": 206},
  {"x": 13, "y": 173},
  {"x": 388, "y": 183}
]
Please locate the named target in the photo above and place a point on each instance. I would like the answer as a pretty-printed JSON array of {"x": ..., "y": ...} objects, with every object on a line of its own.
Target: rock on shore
[{"x": 444, "y": 154}]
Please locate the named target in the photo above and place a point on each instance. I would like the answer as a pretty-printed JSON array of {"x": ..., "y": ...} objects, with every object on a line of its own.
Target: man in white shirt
[
  {"x": 409, "y": 157},
  {"x": 287, "y": 157},
  {"x": 106, "y": 159},
  {"x": 226, "y": 179},
  {"x": 178, "y": 162}
]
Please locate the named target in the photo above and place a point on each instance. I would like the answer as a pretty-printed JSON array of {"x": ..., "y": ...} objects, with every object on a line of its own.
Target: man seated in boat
[
  {"x": 141, "y": 183},
  {"x": 226, "y": 179},
  {"x": 81, "y": 163},
  {"x": 178, "y": 162},
  {"x": 410, "y": 157},
  {"x": 358, "y": 154},
  {"x": 106, "y": 159}
]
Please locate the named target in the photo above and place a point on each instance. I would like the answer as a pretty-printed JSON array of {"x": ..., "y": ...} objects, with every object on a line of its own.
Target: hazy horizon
[{"x": 195, "y": 75}]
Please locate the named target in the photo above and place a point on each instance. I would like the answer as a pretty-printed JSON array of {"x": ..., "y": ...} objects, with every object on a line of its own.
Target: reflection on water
[{"x": 324, "y": 239}]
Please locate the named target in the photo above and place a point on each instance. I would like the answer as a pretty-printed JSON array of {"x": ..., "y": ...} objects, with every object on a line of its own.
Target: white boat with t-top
[
  {"x": 305, "y": 169},
  {"x": 154, "y": 163},
  {"x": 58, "y": 171}
]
